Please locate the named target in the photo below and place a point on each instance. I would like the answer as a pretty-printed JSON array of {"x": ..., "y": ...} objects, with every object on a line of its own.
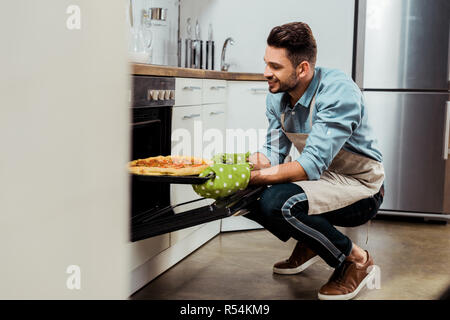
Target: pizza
[{"x": 169, "y": 165}]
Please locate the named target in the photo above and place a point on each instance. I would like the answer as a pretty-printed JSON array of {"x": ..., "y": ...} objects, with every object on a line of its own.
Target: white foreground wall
[{"x": 63, "y": 142}]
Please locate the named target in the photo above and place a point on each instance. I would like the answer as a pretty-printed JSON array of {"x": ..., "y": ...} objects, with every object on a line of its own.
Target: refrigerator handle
[{"x": 446, "y": 130}]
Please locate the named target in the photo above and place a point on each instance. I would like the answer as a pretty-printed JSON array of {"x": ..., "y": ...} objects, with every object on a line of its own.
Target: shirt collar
[{"x": 307, "y": 96}]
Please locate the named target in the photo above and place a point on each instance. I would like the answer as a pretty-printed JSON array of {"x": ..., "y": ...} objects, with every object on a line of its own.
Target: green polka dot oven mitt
[{"x": 232, "y": 173}]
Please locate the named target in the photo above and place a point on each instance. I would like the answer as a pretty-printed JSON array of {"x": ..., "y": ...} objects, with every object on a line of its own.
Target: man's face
[{"x": 279, "y": 72}]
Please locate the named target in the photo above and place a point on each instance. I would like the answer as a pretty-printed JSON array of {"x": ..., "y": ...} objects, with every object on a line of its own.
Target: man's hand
[
  {"x": 286, "y": 172},
  {"x": 259, "y": 161}
]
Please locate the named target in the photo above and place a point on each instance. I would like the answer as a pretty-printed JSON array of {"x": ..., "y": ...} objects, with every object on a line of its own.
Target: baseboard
[{"x": 427, "y": 216}]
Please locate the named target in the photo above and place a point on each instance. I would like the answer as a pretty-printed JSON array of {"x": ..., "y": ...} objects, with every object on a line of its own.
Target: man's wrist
[{"x": 253, "y": 177}]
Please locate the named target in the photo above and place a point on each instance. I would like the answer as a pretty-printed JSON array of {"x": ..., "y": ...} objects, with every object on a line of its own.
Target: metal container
[
  {"x": 158, "y": 14},
  {"x": 209, "y": 55}
]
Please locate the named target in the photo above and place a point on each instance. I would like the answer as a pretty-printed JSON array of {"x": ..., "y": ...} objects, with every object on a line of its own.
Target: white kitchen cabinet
[
  {"x": 247, "y": 126},
  {"x": 188, "y": 91},
  {"x": 214, "y": 123},
  {"x": 246, "y": 115},
  {"x": 214, "y": 91}
]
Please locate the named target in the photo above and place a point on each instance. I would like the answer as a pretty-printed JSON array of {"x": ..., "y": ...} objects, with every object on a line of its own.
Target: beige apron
[{"x": 349, "y": 178}]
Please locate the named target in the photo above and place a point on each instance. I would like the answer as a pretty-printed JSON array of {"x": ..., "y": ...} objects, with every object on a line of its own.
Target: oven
[
  {"x": 152, "y": 102},
  {"x": 152, "y": 213}
]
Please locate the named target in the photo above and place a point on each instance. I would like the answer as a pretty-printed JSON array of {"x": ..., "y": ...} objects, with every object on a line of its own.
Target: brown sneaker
[
  {"x": 347, "y": 280},
  {"x": 301, "y": 258}
]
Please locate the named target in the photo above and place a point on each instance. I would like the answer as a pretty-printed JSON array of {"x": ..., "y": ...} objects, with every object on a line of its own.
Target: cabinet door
[
  {"x": 247, "y": 126},
  {"x": 246, "y": 115},
  {"x": 214, "y": 91},
  {"x": 214, "y": 122}
]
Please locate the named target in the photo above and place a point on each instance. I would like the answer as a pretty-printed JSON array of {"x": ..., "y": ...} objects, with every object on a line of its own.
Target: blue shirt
[{"x": 339, "y": 121}]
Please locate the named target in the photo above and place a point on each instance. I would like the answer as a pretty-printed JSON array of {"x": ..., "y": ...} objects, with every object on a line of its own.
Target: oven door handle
[{"x": 145, "y": 122}]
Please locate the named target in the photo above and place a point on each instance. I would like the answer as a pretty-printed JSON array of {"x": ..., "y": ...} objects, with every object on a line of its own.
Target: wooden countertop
[{"x": 156, "y": 70}]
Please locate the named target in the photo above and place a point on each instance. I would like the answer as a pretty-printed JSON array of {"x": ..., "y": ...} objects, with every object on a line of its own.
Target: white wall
[
  {"x": 249, "y": 22},
  {"x": 164, "y": 33},
  {"x": 64, "y": 146}
]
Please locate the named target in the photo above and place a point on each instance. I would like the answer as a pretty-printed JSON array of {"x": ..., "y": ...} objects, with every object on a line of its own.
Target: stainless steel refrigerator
[{"x": 401, "y": 63}]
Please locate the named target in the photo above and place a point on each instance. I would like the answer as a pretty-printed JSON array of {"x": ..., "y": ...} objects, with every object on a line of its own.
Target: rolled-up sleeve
[
  {"x": 338, "y": 115},
  {"x": 276, "y": 146}
]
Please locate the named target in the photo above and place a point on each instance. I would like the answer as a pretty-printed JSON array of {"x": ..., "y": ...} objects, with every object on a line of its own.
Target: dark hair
[{"x": 297, "y": 39}]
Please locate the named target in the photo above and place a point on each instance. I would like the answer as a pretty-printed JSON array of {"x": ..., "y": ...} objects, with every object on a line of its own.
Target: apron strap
[{"x": 311, "y": 108}]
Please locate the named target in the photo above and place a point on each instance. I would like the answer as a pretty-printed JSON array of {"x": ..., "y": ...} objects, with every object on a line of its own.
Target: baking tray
[{"x": 195, "y": 179}]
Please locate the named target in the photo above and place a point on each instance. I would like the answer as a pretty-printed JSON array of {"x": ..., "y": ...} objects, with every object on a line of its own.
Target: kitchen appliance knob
[
  {"x": 161, "y": 94},
  {"x": 155, "y": 95},
  {"x": 166, "y": 94},
  {"x": 172, "y": 94}
]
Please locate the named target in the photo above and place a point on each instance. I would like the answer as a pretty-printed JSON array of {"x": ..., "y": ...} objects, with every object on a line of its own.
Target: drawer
[
  {"x": 187, "y": 131},
  {"x": 214, "y": 91},
  {"x": 188, "y": 91}
]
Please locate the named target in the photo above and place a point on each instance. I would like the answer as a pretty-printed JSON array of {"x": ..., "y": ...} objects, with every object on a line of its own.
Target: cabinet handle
[
  {"x": 446, "y": 131},
  {"x": 194, "y": 115},
  {"x": 192, "y": 88},
  {"x": 217, "y": 87},
  {"x": 259, "y": 90},
  {"x": 216, "y": 112}
]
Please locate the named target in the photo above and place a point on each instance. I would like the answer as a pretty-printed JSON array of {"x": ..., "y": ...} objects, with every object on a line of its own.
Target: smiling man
[{"x": 337, "y": 179}]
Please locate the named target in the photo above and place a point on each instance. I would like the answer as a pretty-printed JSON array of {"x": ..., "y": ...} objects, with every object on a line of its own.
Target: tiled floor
[{"x": 414, "y": 259}]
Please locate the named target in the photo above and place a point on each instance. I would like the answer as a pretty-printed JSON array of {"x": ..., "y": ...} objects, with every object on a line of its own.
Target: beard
[{"x": 283, "y": 86}]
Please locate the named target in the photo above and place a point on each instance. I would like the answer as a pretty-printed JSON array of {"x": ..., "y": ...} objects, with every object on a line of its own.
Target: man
[{"x": 338, "y": 178}]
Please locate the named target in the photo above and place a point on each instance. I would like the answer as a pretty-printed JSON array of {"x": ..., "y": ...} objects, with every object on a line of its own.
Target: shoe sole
[
  {"x": 350, "y": 295},
  {"x": 299, "y": 269}
]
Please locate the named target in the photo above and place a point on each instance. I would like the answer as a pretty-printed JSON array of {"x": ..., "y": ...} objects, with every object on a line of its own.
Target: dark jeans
[{"x": 283, "y": 210}]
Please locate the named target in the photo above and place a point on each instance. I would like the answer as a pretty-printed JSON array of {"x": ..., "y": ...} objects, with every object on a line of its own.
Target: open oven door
[{"x": 163, "y": 220}]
